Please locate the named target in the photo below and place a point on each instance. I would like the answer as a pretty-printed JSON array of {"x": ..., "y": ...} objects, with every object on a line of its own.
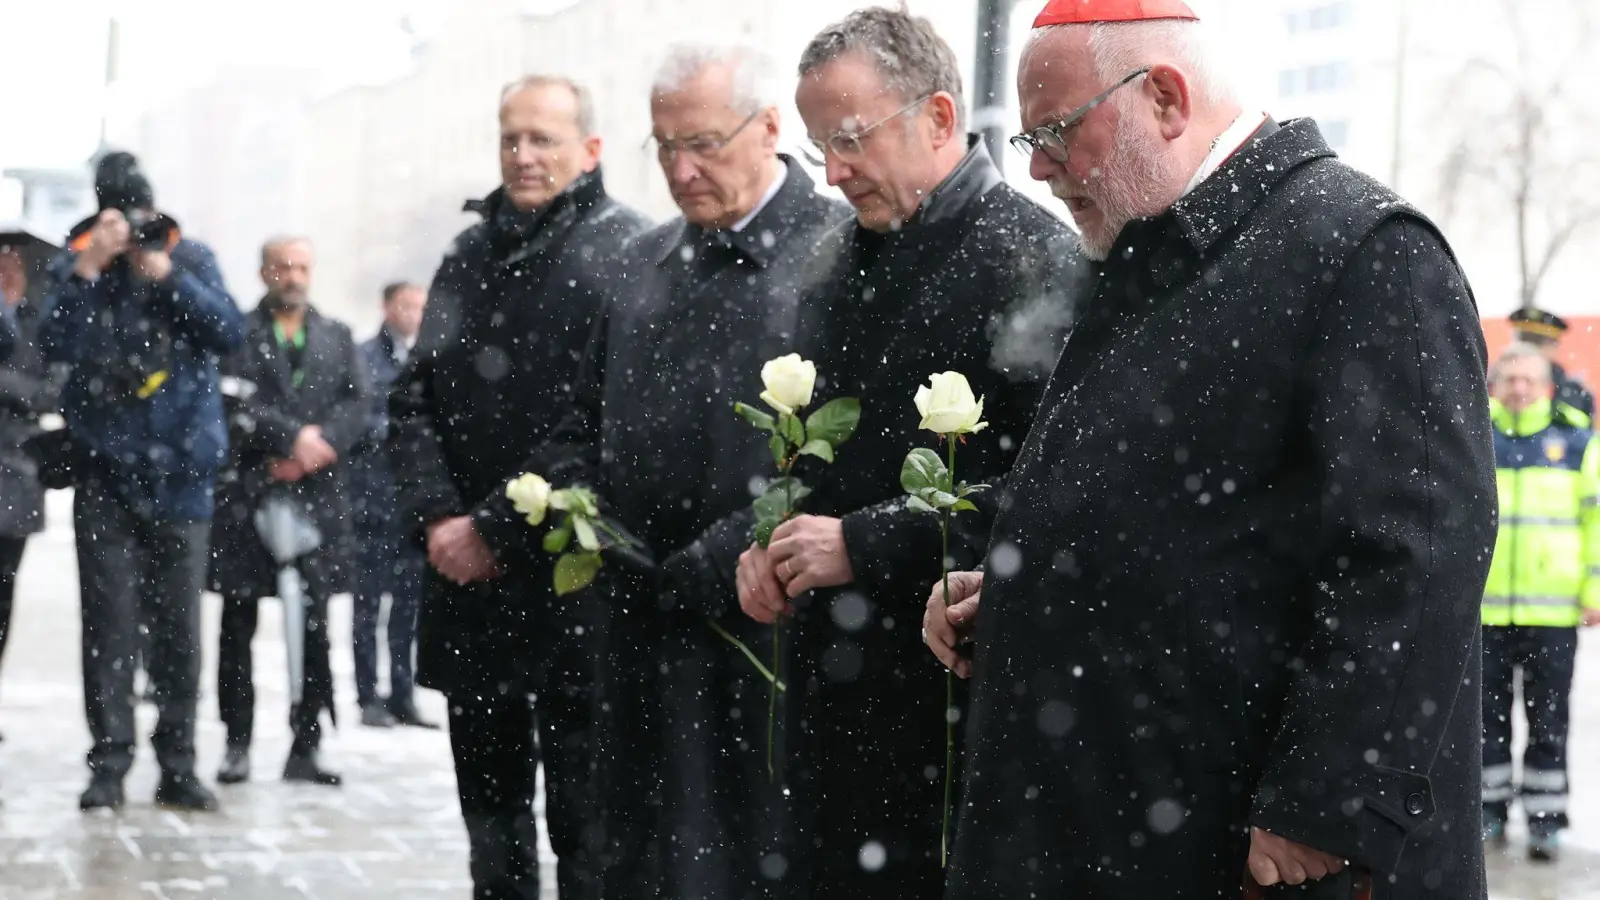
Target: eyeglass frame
[
  {"x": 1035, "y": 139},
  {"x": 822, "y": 148},
  {"x": 667, "y": 151}
]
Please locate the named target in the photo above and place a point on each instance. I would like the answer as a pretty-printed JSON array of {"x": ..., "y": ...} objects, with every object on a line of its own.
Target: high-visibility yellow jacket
[{"x": 1546, "y": 567}]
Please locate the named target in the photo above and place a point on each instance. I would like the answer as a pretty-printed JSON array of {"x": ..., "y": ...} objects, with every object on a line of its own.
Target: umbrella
[
  {"x": 36, "y": 249},
  {"x": 290, "y": 535}
]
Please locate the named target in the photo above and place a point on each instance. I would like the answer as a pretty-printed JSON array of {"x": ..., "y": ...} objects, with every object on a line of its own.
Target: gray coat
[{"x": 28, "y": 389}]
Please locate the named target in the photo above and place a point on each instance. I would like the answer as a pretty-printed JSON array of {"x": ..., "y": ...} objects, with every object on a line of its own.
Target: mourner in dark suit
[{"x": 299, "y": 403}]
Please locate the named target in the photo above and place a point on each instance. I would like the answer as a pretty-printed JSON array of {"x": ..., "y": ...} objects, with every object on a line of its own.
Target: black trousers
[
  {"x": 10, "y": 561},
  {"x": 236, "y": 692},
  {"x": 396, "y": 568},
  {"x": 128, "y": 566},
  {"x": 1545, "y": 657},
  {"x": 493, "y": 738}
]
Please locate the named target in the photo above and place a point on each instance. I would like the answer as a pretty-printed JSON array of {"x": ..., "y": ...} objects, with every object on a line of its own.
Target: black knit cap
[{"x": 119, "y": 184}]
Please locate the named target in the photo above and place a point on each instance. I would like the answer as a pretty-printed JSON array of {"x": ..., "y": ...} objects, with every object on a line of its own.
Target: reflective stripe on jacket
[{"x": 1546, "y": 566}]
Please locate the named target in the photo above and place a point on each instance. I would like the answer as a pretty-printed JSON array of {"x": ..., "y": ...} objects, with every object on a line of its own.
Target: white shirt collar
[
  {"x": 1226, "y": 144},
  {"x": 772, "y": 191}
]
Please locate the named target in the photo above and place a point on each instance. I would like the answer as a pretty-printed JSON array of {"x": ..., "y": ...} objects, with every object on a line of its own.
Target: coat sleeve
[
  {"x": 266, "y": 431},
  {"x": 570, "y": 456},
  {"x": 69, "y": 311},
  {"x": 346, "y": 423},
  {"x": 425, "y": 492},
  {"x": 202, "y": 309},
  {"x": 31, "y": 391},
  {"x": 894, "y": 547},
  {"x": 1589, "y": 519},
  {"x": 1393, "y": 407}
]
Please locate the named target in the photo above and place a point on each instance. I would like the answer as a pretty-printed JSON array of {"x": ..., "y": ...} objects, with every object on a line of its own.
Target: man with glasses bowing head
[
  {"x": 945, "y": 268},
  {"x": 1229, "y": 628},
  {"x": 707, "y": 299}
]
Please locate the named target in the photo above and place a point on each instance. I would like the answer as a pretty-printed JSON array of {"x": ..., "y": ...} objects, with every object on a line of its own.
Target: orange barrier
[{"x": 1580, "y": 347}]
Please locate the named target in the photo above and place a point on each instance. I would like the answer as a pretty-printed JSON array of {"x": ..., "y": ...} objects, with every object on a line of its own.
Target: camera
[{"x": 149, "y": 230}]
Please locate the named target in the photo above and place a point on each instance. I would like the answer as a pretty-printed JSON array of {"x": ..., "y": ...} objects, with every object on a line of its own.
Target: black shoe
[
  {"x": 235, "y": 766},
  {"x": 305, "y": 768},
  {"x": 406, "y": 714},
  {"x": 373, "y": 715},
  {"x": 185, "y": 792},
  {"x": 104, "y": 792}
]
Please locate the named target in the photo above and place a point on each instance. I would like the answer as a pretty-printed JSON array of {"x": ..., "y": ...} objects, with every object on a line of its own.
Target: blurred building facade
[{"x": 377, "y": 173}]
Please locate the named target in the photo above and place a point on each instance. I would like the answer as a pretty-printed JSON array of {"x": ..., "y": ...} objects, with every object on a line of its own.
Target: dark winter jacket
[
  {"x": 371, "y": 473},
  {"x": 509, "y": 315},
  {"x": 28, "y": 389},
  {"x": 655, "y": 433},
  {"x": 979, "y": 281},
  {"x": 268, "y": 405},
  {"x": 1236, "y": 576},
  {"x": 159, "y": 452}
]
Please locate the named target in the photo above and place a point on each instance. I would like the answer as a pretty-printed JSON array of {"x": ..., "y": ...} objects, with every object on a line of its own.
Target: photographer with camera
[{"x": 142, "y": 315}]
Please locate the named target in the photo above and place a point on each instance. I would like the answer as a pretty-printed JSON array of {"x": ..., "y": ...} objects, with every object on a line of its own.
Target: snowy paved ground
[{"x": 392, "y": 833}]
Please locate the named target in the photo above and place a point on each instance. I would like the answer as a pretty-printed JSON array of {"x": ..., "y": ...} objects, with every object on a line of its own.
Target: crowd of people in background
[{"x": 1230, "y": 565}]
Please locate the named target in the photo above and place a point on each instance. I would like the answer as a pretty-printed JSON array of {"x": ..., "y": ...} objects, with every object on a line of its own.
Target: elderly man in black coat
[
  {"x": 1229, "y": 621},
  {"x": 508, "y": 317},
  {"x": 711, "y": 296},
  {"x": 945, "y": 269},
  {"x": 298, "y": 393}
]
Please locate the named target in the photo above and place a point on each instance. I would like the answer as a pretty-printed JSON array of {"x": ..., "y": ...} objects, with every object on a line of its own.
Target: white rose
[
  {"x": 948, "y": 407},
  {"x": 789, "y": 381},
  {"x": 530, "y": 494}
]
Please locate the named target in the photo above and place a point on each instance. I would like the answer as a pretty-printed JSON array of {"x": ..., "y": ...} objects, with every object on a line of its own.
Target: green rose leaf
[
  {"x": 780, "y": 449},
  {"x": 917, "y": 504},
  {"x": 967, "y": 490},
  {"x": 792, "y": 430},
  {"x": 818, "y": 448},
  {"x": 576, "y": 571},
  {"x": 963, "y": 506},
  {"x": 923, "y": 470},
  {"x": 764, "y": 530},
  {"x": 835, "y": 422},
  {"x": 937, "y": 498},
  {"x": 772, "y": 507},
  {"x": 584, "y": 529},
  {"x": 556, "y": 540},
  {"x": 756, "y": 417}
]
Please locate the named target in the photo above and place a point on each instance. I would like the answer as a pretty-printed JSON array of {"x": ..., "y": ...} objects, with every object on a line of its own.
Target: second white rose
[{"x": 789, "y": 381}]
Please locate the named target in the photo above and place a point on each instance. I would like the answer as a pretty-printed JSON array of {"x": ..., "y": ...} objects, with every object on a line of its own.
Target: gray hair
[
  {"x": 914, "y": 60},
  {"x": 1518, "y": 351},
  {"x": 750, "y": 71},
  {"x": 585, "y": 101},
  {"x": 283, "y": 240},
  {"x": 1122, "y": 47}
]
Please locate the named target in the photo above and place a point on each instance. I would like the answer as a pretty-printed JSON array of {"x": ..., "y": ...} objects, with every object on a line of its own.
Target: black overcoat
[
  {"x": 979, "y": 281},
  {"x": 1237, "y": 573},
  {"x": 692, "y": 811},
  {"x": 266, "y": 411},
  {"x": 509, "y": 315}
]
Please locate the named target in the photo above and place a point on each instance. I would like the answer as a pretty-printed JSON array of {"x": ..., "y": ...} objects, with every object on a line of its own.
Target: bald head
[{"x": 286, "y": 264}]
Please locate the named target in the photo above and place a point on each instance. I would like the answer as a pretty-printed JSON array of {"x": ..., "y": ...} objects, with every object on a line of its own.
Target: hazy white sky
[{"x": 53, "y": 62}]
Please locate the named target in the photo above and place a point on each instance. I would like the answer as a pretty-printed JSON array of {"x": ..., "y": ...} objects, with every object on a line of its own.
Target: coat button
[{"x": 1415, "y": 804}]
